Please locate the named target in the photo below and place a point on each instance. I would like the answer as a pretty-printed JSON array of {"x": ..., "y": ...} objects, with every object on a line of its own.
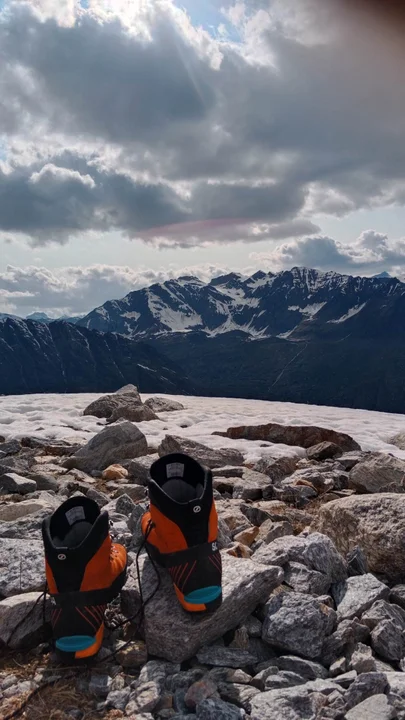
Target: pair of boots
[{"x": 85, "y": 570}]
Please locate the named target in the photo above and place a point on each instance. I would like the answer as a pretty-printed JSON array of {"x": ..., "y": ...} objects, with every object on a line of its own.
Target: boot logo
[
  {"x": 197, "y": 508},
  {"x": 214, "y": 547},
  {"x": 61, "y": 557}
]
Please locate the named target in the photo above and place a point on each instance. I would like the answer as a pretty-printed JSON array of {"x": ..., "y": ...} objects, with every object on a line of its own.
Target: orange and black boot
[
  {"x": 181, "y": 530},
  {"x": 84, "y": 572}
]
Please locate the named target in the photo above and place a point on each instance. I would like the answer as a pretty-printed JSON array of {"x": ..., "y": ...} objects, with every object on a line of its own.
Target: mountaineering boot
[
  {"x": 84, "y": 572},
  {"x": 181, "y": 530}
]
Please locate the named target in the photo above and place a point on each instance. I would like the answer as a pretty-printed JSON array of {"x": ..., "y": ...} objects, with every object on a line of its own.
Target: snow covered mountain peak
[{"x": 292, "y": 304}]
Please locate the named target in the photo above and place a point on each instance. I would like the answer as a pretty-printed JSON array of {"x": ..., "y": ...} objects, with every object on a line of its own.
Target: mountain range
[
  {"x": 58, "y": 357},
  {"x": 294, "y": 305},
  {"x": 299, "y": 335}
]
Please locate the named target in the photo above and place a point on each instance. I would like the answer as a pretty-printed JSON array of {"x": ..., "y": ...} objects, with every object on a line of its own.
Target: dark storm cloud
[{"x": 174, "y": 127}]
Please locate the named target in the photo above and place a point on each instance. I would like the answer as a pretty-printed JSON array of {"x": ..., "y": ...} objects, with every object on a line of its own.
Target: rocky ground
[{"x": 312, "y": 625}]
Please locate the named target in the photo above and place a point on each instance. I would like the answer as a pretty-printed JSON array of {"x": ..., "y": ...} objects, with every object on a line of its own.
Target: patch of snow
[
  {"x": 174, "y": 320},
  {"x": 131, "y": 315},
  {"x": 285, "y": 334},
  {"x": 349, "y": 314},
  {"x": 308, "y": 310},
  {"x": 102, "y": 311},
  {"x": 61, "y": 417},
  {"x": 145, "y": 367}
]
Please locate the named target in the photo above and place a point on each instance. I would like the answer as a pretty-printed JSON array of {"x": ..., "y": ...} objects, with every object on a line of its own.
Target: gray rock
[
  {"x": 364, "y": 687},
  {"x": 22, "y": 567},
  {"x": 245, "y": 585},
  {"x": 356, "y": 562},
  {"x": 12, "y": 447},
  {"x": 137, "y": 493},
  {"x": 138, "y": 468},
  {"x": 108, "y": 447},
  {"x": 223, "y": 656},
  {"x": 358, "y": 594},
  {"x": 251, "y": 486},
  {"x": 20, "y": 608},
  {"x": 200, "y": 691},
  {"x": 45, "y": 481},
  {"x": 338, "y": 667},
  {"x": 323, "y": 451},
  {"x": 162, "y": 404},
  {"x": 253, "y": 626},
  {"x": 346, "y": 679},
  {"x": 271, "y": 530},
  {"x": 14, "y": 483},
  {"x": 387, "y": 641},
  {"x": 397, "y": 595},
  {"x": 11, "y": 512},
  {"x": 303, "y": 580},
  {"x": 297, "y": 623},
  {"x": 316, "y": 552},
  {"x": 99, "y": 497},
  {"x": 228, "y": 471},
  {"x": 382, "y": 610},
  {"x": 374, "y": 708},
  {"x": 118, "y": 699},
  {"x": 100, "y": 685},
  {"x": 302, "y": 702},
  {"x": 306, "y": 668},
  {"x": 219, "y": 710},
  {"x": 350, "y": 459},
  {"x": 362, "y": 660},
  {"x": 104, "y": 406},
  {"x": 380, "y": 473},
  {"x": 149, "y": 687},
  {"x": 238, "y": 694},
  {"x": 207, "y": 456},
  {"x": 185, "y": 679},
  {"x": 276, "y": 469},
  {"x": 283, "y": 679},
  {"x": 343, "y": 640},
  {"x": 363, "y": 520}
]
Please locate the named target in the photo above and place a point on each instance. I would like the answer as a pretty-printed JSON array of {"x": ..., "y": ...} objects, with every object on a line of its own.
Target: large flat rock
[
  {"x": 175, "y": 635},
  {"x": 22, "y": 566},
  {"x": 375, "y": 522}
]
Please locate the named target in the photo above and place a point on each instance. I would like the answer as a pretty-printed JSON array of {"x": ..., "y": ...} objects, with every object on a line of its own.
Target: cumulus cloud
[
  {"x": 372, "y": 252},
  {"x": 77, "y": 290},
  {"x": 124, "y": 116}
]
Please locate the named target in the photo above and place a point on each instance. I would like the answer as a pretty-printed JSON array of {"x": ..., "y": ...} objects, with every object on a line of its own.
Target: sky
[{"x": 144, "y": 139}]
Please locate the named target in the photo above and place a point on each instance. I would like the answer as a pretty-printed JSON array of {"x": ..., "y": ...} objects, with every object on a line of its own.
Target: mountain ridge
[{"x": 286, "y": 305}]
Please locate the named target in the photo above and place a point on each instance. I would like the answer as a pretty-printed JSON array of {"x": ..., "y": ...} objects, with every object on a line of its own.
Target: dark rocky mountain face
[
  {"x": 297, "y": 304},
  {"x": 59, "y": 357}
]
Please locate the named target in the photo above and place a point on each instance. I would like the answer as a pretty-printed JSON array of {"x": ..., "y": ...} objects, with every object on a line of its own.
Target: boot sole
[
  {"x": 191, "y": 608},
  {"x": 74, "y": 648}
]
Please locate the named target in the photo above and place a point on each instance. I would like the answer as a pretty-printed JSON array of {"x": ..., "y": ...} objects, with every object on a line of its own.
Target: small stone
[
  {"x": 376, "y": 707},
  {"x": 134, "y": 655},
  {"x": 99, "y": 497},
  {"x": 236, "y": 694},
  {"x": 356, "y": 562},
  {"x": 357, "y": 594},
  {"x": 270, "y": 530},
  {"x": 219, "y": 710},
  {"x": 137, "y": 493},
  {"x": 346, "y": 679},
  {"x": 362, "y": 659},
  {"x": 260, "y": 678},
  {"x": 297, "y": 623},
  {"x": 228, "y": 657},
  {"x": 21, "y": 619},
  {"x": 323, "y": 451},
  {"x": 100, "y": 685},
  {"x": 306, "y": 668},
  {"x": 247, "y": 537},
  {"x": 114, "y": 472},
  {"x": 239, "y": 550},
  {"x": 118, "y": 699},
  {"x": 364, "y": 687},
  {"x": 14, "y": 483},
  {"x": 338, "y": 667},
  {"x": 284, "y": 679},
  {"x": 303, "y": 580},
  {"x": 240, "y": 639},
  {"x": 397, "y": 595},
  {"x": 198, "y": 692},
  {"x": 239, "y": 677},
  {"x": 253, "y": 626},
  {"x": 387, "y": 640}
]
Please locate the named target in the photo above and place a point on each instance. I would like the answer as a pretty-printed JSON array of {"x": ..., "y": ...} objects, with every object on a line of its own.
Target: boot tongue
[{"x": 76, "y": 528}]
